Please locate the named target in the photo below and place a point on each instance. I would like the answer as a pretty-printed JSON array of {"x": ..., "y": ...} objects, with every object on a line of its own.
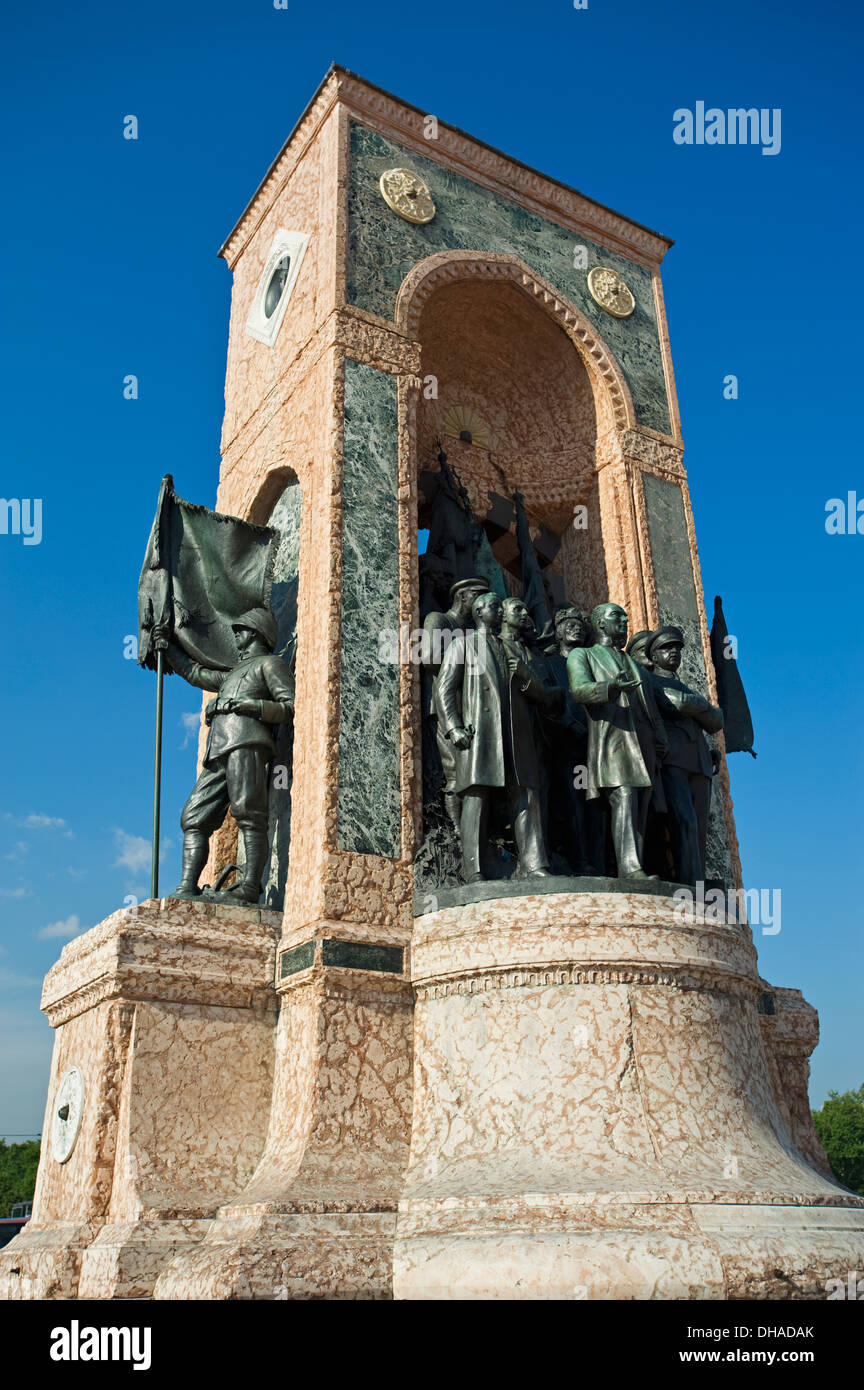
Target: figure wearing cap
[
  {"x": 689, "y": 765},
  {"x": 253, "y": 696},
  {"x": 626, "y": 737},
  {"x": 441, "y": 627}
]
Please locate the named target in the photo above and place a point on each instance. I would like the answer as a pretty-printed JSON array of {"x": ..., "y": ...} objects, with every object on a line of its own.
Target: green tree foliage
[
  {"x": 840, "y": 1126},
  {"x": 18, "y": 1164}
]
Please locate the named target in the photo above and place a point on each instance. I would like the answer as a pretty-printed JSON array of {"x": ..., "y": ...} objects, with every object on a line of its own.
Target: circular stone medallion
[
  {"x": 610, "y": 292},
  {"x": 68, "y": 1109},
  {"x": 407, "y": 194}
]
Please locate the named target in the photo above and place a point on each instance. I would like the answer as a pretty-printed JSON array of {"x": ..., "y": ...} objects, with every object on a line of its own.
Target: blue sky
[{"x": 110, "y": 268}]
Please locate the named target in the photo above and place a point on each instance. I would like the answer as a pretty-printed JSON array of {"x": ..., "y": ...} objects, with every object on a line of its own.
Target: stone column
[{"x": 167, "y": 1012}]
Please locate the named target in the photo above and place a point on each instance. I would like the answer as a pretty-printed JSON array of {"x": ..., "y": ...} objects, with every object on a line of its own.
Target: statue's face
[
  {"x": 573, "y": 631},
  {"x": 518, "y": 617},
  {"x": 244, "y": 638},
  {"x": 491, "y": 613},
  {"x": 464, "y": 601},
  {"x": 614, "y": 624},
  {"x": 667, "y": 655}
]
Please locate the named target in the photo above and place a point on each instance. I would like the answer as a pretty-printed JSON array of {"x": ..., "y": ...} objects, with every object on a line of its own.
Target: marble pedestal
[
  {"x": 168, "y": 1010},
  {"x": 602, "y": 1111},
  {"x": 318, "y": 1217}
]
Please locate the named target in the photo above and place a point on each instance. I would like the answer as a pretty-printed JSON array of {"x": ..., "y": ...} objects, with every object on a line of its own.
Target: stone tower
[{"x": 563, "y": 1095}]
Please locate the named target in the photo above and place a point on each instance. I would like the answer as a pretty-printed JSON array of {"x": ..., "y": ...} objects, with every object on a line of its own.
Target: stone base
[
  {"x": 652, "y": 1246},
  {"x": 431, "y": 900},
  {"x": 302, "y": 1255},
  {"x": 124, "y": 1261},
  {"x": 43, "y": 1261},
  {"x": 168, "y": 1011},
  {"x": 595, "y": 1113},
  {"x": 318, "y": 1217}
]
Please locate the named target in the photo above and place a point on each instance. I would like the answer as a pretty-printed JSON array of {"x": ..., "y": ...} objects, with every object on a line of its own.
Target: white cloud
[
  {"x": 190, "y": 723},
  {"x": 22, "y": 892},
  {"x": 69, "y": 928},
  {"x": 38, "y": 821},
  {"x": 133, "y": 852},
  {"x": 21, "y": 848}
]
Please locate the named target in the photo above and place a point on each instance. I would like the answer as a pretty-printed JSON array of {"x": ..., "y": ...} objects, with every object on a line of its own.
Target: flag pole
[{"x": 157, "y": 775}]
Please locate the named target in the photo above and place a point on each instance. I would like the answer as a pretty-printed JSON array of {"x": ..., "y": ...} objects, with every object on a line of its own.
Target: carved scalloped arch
[{"x": 607, "y": 379}]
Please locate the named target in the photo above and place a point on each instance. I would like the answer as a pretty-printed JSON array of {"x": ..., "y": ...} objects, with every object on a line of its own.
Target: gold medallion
[
  {"x": 610, "y": 292},
  {"x": 407, "y": 194}
]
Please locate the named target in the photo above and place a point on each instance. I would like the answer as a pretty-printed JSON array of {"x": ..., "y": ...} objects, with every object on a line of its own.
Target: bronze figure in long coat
[
  {"x": 481, "y": 697},
  {"x": 625, "y": 733}
]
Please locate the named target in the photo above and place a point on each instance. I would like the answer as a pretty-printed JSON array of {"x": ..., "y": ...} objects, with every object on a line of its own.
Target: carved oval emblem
[
  {"x": 610, "y": 292},
  {"x": 68, "y": 1109},
  {"x": 407, "y": 194}
]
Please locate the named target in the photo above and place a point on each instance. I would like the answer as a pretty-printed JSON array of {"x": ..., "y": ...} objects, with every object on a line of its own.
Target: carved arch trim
[{"x": 447, "y": 267}]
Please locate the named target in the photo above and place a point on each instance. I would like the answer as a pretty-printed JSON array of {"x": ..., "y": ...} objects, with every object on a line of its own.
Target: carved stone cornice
[
  {"x": 167, "y": 951},
  {"x": 446, "y": 267},
  {"x": 505, "y": 175},
  {"x": 684, "y": 977},
  {"x": 455, "y": 149},
  {"x": 655, "y": 455},
  {"x": 281, "y": 169}
]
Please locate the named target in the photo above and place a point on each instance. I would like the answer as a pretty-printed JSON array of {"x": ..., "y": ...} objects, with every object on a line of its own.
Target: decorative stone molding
[
  {"x": 725, "y": 982},
  {"x": 166, "y": 950},
  {"x": 280, "y": 170},
  {"x": 653, "y": 454},
  {"x": 449, "y": 266},
  {"x": 452, "y": 148},
  {"x": 484, "y": 164}
]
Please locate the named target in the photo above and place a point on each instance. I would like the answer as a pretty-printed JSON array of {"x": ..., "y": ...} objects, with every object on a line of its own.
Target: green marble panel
[
  {"x": 369, "y": 731},
  {"x": 383, "y": 247},
  {"x": 678, "y": 606},
  {"x": 362, "y": 955},
  {"x": 670, "y": 548},
  {"x": 296, "y": 959},
  {"x": 285, "y": 518}
]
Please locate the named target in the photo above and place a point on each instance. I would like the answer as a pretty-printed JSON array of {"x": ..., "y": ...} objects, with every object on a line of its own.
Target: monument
[{"x": 468, "y": 1041}]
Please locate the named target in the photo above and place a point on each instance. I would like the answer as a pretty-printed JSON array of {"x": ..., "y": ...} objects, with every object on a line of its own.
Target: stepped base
[
  {"x": 601, "y": 1111},
  {"x": 648, "y": 1248},
  {"x": 282, "y": 1256}
]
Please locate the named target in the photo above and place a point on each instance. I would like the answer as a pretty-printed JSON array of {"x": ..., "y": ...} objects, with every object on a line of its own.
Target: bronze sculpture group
[{"x": 571, "y": 736}]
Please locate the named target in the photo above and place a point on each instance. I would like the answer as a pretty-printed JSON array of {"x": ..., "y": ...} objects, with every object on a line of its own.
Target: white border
[{"x": 285, "y": 243}]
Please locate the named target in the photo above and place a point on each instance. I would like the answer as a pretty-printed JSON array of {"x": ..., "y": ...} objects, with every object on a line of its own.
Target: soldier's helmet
[{"x": 260, "y": 620}]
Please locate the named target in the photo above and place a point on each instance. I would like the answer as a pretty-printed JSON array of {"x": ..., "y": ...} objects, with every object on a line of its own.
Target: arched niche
[{"x": 541, "y": 398}]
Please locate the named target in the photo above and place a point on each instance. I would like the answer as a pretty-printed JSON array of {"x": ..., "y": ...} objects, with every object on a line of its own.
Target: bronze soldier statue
[
  {"x": 482, "y": 697},
  {"x": 625, "y": 733},
  {"x": 254, "y": 695},
  {"x": 689, "y": 765},
  {"x": 441, "y": 627},
  {"x": 576, "y": 827}
]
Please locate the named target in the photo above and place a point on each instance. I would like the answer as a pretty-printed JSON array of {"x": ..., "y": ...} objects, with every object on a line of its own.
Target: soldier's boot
[
  {"x": 256, "y": 847},
  {"x": 195, "y": 847}
]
